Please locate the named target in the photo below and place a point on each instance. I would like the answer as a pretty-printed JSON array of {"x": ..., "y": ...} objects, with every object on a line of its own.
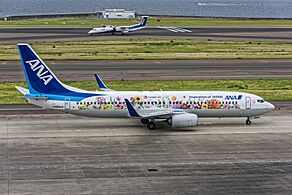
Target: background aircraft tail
[
  {"x": 144, "y": 20},
  {"x": 39, "y": 78}
]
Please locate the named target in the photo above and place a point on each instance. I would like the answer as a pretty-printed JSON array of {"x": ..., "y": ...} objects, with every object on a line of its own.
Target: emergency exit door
[
  {"x": 248, "y": 103},
  {"x": 67, "y": 104}
]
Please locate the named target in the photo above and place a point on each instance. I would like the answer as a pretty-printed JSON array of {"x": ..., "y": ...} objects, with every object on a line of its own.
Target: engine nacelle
[{"x": 184, "y": 120}]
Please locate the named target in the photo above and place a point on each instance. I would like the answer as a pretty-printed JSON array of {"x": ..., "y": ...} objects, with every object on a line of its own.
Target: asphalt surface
[
  {"x": 158, "y": 69},
  {"x": 36, "y": 34},
  {"x": 64, "y": 154}
]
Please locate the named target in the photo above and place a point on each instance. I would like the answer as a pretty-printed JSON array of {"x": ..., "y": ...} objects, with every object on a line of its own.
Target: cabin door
[
  {"x": 248, "y": 103},
  {"x": 67, "y": 104}
]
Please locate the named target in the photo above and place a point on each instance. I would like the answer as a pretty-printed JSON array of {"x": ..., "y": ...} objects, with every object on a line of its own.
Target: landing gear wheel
[
  {"x": 151, "y": 126},
  {"x": 144, "y": 121},
  {"x": 248, "y": 122}
]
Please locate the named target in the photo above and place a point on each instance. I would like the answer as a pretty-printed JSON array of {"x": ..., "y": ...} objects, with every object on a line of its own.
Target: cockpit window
[{"x": 260, "y": 101}]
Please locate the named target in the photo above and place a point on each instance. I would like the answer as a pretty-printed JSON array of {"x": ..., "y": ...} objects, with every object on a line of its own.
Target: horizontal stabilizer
[{"x": 22, "y": 90}]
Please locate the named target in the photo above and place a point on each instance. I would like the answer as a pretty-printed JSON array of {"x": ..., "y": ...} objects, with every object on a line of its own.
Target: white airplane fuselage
[{"x": 203, "y": 104}]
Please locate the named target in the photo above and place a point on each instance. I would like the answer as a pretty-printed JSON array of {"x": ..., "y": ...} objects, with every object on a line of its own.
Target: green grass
[
  {"x": 270, "y": 89},
  {"x": 153, "y": 48},
  {"x": 154, "y": 21}
]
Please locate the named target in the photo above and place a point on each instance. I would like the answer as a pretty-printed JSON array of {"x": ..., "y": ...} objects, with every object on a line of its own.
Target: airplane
[
  {"x": 179, "y": 109},
  {"x": 120, "y": 29}
]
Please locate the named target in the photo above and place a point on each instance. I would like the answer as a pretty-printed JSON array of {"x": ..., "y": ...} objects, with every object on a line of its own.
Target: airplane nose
[
  {"x": 270, "y": 106},
  {"x": 90, "y": 32}
]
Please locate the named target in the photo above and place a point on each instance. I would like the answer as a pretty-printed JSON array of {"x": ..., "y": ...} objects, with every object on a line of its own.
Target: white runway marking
[{"x": 175, "y": 29}]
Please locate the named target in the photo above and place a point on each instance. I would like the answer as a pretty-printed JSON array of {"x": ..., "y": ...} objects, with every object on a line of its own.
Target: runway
[
  {"x": 64, "y": 154},
  {"x": 158, "y": 69},
  {"x": 9, "y": 35}
]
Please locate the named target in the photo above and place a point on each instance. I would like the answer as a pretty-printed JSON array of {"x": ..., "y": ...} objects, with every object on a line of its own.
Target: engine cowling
[{"x": 184, "y": 120}]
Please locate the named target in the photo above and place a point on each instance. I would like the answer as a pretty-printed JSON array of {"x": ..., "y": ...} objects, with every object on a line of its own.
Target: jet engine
[{"x": 183, "y": 120}]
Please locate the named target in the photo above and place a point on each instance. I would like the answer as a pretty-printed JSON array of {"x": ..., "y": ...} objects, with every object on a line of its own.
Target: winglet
[
  {"x": 131, "y": 109},
  {"x": 101, "y": 84}
]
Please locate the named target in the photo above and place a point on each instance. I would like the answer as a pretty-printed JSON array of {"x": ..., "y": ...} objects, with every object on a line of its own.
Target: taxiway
[
  {"x": 64, "y": 154},
  {"x": 158, "y": 69},
  {"x": 36, "y": 34}
]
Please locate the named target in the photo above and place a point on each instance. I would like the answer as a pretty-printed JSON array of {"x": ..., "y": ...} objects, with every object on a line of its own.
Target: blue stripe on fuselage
[{"x": 135, "y": 26}]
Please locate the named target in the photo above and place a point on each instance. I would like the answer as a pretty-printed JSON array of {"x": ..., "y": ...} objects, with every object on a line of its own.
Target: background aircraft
[
  {"x": 120, "y": 29},
  {"x": 177, "y": 108}
]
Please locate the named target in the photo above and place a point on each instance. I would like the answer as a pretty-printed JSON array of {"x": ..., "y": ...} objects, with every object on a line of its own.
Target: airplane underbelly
[
  {"x": 228, "y": 113},
  {"x": 101, "y": 113},
  {"x": 218, "y": 113},
  {"x": 200, "y": 112}
]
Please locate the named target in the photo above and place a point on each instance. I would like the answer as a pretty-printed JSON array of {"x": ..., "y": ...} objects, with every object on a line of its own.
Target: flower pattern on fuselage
[{"x": 161, "y": 102}]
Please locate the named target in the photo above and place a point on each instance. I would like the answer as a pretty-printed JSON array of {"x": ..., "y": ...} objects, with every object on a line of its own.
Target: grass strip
[
  {"x": 154, "y": 21},
  {"x": 153, "y": 48},
  {"x": 270, "y": 89}
]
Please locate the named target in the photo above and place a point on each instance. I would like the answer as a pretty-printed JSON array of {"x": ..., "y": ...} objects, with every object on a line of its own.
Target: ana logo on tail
[{"x": 36, "y": 65}]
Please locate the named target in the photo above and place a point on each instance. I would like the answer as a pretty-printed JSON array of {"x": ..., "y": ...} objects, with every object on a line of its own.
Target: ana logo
[
  {"x": 233, "y": 97},
  {"x": 36, "y": 65}
]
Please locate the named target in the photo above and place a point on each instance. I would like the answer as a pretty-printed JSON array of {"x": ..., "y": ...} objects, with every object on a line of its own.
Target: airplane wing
[
  {"x": 158, "y": 114},
  {"x": 101, "y": 84}
]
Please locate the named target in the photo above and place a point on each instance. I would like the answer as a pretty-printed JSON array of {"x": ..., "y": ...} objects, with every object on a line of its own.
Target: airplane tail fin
[
  {"x": 144, "y": 20},
  {"x": 39, "y": 78}
]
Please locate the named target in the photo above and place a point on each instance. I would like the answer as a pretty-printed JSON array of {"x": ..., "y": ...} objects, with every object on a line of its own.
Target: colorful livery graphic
[{"x": 177, "y": 108}]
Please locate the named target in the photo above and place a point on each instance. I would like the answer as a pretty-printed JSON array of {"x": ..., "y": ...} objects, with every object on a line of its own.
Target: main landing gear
[
  {"x": 248, "y": 121},
  {"x": 151, "y": 125}
]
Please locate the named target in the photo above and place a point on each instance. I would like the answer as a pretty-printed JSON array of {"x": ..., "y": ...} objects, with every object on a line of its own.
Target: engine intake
[{"x": 184, "y": 120}]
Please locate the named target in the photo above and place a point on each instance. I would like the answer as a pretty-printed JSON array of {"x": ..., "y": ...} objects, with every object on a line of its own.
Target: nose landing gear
[{"x": 248, "y": 121}]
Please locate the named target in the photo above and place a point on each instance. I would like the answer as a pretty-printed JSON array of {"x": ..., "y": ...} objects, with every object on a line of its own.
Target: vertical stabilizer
[{"x": 39, "y": 78}]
